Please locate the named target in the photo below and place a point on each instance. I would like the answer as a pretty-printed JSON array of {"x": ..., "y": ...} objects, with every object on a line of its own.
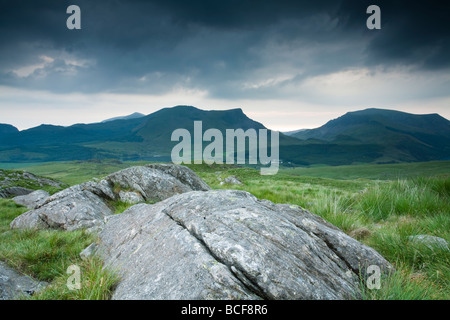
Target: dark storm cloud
[
  {"x": 152, "y": 46},
  {"x": 413, "y": 32}
]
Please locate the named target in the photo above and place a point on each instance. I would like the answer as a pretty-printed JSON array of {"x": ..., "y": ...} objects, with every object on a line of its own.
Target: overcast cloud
[{"x": 288, "y": 64}]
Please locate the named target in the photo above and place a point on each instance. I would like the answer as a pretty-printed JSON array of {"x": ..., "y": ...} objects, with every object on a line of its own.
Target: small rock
[
  {"x": 231, "y": 180},
  {"x": 131, "y": 197},
  {"x": 430, "y": 241}
]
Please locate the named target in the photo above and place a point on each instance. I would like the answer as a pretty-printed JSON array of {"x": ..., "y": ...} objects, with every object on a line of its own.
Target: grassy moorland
[{"x": 380, "y": 205}]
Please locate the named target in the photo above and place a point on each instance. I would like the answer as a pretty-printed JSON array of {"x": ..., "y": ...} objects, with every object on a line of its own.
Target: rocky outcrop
[
  {"x": 131, "y": 197},
  {"x": 17, "y": 183},
  {"x": 77, "y": 210},
  {"x": 33, "y": 199},
  {"x": 14, "y": 191},
  {"x": 227, "y": 244},
  {"x": 14, "y": 285},
  {"x": 88, "y": 205}
]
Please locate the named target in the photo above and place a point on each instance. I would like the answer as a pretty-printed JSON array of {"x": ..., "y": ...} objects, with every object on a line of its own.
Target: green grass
[
  {"x": 18, "y": 165},
  {"x": 42, "y": 254},
  {"x": 402, "y": 285},
  {"x": 46, "y": 254},
  {"x": 119, "y": 206},
  {"x": 76, "y": 172},
  {"x": 380, "y": 205},
  {"x": 404, "y": 197},
  {"x": 97, "y": 283},
  {"x": 375, "y": 172}
]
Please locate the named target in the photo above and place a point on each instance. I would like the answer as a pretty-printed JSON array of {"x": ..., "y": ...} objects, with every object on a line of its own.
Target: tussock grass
[
  {"x": 402, "y": 285},
  {"x": 403, "y": 197},
  {"x": 46, "y": 254},
  {"x": 97, "y": 283}
]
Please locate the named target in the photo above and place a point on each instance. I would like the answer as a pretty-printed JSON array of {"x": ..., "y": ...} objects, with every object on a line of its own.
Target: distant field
[
  {"x": 74, "y": 172},
  {"x": 375, "y": 171},
  {"x": 13, "y": 165}
]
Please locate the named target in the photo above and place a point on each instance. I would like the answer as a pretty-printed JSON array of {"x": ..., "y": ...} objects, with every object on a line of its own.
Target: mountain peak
[
  {"x": 403, "y": 136},
  {"x": 7, "y": 128},
  {"x": 134, "y": 115},
  {"x": 390, "y": 112}
]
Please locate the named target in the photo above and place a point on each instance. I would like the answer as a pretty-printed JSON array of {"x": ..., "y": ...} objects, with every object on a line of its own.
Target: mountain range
[{"x": 367, "y": 136}]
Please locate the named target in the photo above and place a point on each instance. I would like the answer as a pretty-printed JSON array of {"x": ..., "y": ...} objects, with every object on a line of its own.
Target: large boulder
[
  {"x": 78, "y": 210},
  {"x": 33, "y": 199},
  {"x": 88, "y": 205},
  {"x": 227, "y": 244}
]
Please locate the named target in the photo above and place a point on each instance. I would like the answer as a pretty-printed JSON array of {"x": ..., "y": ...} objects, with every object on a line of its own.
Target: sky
[{"x": 287, "y": 64}]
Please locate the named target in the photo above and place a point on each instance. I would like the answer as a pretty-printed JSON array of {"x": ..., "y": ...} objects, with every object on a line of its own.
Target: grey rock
[
  {"x": 41, "y": 181},
  {"x": 14, "y": 285},
  {"x": 78, "y": 210},
  {"x": 130, "y": 197},
  {"x": 429, "y": 241},
  {"x": 231, "y": 180},
  {"x": 183, "y": 174},
  {"x": 33, "y": 199},
  {"x": 9, "y": 182},
  {"x": 158, "y": 182},
  {"x": 14, "y": 191},
  {"x": 89, "y": 251},
  {"x": 227, "y": 244},
  {"x": 87, "y": 205},
  {"x": 102, "y": 188}
]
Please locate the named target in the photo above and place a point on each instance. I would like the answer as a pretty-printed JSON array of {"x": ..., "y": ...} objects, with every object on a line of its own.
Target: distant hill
[
  {"x": 291, "y": 133},
  {"x": 131, "y": 116},
  {"x": 137, "y": 138},
  {"x": 7, "y": 129},
  {"x": 368, "y": 136},
  {"x": 399, "y": 136}
]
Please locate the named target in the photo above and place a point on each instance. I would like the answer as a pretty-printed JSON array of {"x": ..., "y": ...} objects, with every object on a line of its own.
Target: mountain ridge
[
  {"x": 365, "y": 136},
  {"x": 134, "y": 115},
  {"x": 404, "y": 136}
]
